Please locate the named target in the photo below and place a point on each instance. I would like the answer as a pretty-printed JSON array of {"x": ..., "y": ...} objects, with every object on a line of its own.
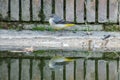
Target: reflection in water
[
  {"x": 82, "y": 66},
  {"x": 58, "y": 61}
]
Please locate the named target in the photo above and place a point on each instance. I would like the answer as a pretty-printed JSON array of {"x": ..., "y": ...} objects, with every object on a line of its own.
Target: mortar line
[
  {"x": 84, "y": 66},
  {"x": 74, "y": 70},
  {"x": 85, "y": 11},
  {"x": 53, "y": 6},
  {"x": 107, "y": 70},
  {"x": 20, "y": 68},
  {"x": 96, "y": 9},
  {"x": 20, "y": 10},
  {"x": 108, "y": 2},
  {"x": 9, "y": 10},
  {"x": 42, "y": 11},
  {"x": 9, "y": 68},
  {"x": 74, "y": 11},
  {"x": 64, "y": 9},
  {"x": 41, "y": 69},
  {"x": 53, "y": 75},
  {"x": 30, "y": 70},
  {"x": 96, "y": 69},
  {"x": 118, "y": 12},
  {"x": 31, "y": 10},
  {"x": 64, "y": 72}
]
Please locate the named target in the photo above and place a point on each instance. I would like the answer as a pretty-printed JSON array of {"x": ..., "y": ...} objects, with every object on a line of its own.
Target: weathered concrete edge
[
  {"x": 29, "y": 26},
  {"x": 44, "y": 40}
]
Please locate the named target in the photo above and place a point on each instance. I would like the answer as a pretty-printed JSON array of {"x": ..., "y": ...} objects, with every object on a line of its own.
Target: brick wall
[{"x": 78, "y": 11}]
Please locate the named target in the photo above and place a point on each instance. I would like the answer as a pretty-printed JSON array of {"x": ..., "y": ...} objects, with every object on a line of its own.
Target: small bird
[
  {"x": 58, "y": 23},
  {"x": 58, "y": 61}
]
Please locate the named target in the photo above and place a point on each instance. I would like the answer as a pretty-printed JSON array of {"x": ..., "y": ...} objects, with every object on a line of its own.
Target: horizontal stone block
[{"x": 66, "y": 40}]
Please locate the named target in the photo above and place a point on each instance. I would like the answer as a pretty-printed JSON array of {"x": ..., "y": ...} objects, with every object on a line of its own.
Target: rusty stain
[
  {"x": 104, "y": 43},
  {"x": 89, "y": 45}
]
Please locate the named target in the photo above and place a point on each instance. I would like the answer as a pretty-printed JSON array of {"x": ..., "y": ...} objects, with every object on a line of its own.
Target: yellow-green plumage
[
  {"x": 69, "y": 25},
  {"x": 68, "y": 60},
  {"x": 59, "y": 60},
  {"x": 62, "y": 26}
]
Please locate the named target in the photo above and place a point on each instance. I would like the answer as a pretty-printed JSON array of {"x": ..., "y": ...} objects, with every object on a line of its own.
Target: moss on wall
[
  {"x": 41, "y": 15},
  {"x": 111, "y": 27}
]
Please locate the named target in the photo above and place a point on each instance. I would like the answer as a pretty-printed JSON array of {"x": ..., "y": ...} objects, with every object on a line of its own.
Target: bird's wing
[
  {"x": 58, "y": 20},
  {"x": 61, "y": 63}
]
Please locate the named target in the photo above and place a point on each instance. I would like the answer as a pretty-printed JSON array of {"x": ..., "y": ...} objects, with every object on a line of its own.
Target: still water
[{"x": 35, "y": 66}]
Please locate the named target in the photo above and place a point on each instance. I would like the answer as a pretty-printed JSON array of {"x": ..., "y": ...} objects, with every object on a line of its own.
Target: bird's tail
[
  {"x": 68, "y": 59},
  {"x": 69, "y": 25}
]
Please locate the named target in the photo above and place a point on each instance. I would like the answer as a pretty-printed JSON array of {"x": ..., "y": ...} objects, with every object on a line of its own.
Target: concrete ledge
[
  {"x": 65, "y": 40},
  {"x": 29, "y": 26}
]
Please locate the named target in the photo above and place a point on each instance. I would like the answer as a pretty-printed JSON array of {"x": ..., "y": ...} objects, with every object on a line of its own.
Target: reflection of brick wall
[
  {"x": 36, "y": 67},
  {"x": 79, "y": 11}
]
